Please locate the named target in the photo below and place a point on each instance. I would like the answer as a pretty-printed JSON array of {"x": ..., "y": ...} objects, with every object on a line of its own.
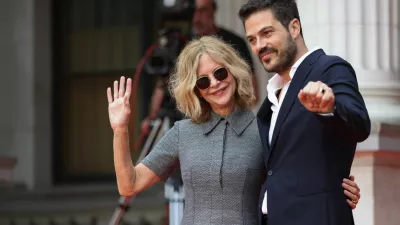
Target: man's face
[
  {"x": 203, "y": 18},
  {"x": 270, "y": 41}
]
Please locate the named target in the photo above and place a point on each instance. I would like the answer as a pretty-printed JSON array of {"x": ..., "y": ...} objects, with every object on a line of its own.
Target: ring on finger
[{"x": 355, "y": 201}]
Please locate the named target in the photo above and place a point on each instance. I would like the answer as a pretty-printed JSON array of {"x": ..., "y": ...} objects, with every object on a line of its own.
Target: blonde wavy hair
[{"x": 182, "y": 84}]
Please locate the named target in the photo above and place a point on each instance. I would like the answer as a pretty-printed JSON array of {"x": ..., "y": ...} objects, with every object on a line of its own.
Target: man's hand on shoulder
[{"x": 317, "y": 97}]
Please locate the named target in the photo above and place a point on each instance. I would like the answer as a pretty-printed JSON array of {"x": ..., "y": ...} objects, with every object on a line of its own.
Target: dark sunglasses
[{"x": 204, "y": 82}]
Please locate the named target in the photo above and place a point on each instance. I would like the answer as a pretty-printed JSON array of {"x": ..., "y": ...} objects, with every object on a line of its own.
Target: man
[
  {"x": 310, "y": 122},
  {"x": 203, "y": 23}
]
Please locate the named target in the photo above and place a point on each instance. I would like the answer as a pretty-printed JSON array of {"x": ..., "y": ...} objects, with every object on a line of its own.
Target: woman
[{"x": 218, "y": 147}]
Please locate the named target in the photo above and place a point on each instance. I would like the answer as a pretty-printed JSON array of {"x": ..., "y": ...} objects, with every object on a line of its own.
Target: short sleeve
[{"x": 163, "y": 158}]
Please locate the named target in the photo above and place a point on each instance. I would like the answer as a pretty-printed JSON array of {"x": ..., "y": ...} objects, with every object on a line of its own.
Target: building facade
[{"x": 58, "y": 59}]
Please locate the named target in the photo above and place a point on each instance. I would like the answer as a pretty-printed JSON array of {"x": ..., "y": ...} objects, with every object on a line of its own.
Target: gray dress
[{"x": 222, "y": 167}]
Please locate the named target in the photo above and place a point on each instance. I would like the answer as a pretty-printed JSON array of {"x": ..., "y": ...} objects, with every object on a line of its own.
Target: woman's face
[{"x": 221, "y": 84}]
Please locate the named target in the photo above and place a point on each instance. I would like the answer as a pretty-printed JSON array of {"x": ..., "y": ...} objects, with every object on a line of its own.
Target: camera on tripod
[
  {"x": 159, "y": 60},
  {"x": 176, "y": 17}
]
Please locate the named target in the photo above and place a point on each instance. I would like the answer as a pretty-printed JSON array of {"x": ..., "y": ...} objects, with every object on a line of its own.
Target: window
[{"x": 95, "y": 42}]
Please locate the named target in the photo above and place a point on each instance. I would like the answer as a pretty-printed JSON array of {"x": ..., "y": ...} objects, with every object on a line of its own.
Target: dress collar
[{"x": 239, "y": 119}]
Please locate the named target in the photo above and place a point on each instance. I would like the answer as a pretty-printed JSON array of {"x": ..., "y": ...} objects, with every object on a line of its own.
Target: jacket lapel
[
  {"x": 296, "y": 84},
  {"x": 264, "y": 121}
]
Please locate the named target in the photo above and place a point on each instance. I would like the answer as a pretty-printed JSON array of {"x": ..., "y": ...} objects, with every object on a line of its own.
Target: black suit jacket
[{"x": 310, "y": 154}]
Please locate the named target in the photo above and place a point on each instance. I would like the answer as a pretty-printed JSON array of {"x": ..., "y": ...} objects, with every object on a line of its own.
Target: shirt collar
[
  {"x": 239, "y": 119},
  {"x": 276, "y": 82}
]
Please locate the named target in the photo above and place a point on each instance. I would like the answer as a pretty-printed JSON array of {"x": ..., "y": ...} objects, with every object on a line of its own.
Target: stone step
[
  {"x": 150, "y": 216},
  {"x": 79, "y": 206}
]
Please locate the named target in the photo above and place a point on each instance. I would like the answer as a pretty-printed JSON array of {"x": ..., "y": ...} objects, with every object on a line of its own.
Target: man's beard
[{"x": 285, "y": 58}]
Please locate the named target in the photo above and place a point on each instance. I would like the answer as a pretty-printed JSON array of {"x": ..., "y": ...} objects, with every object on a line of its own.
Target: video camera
[
  {"x": 159, "y": 59},
  {"x": 176, "y": 19}
]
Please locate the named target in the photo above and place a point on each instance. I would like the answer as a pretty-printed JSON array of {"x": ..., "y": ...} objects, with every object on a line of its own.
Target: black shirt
[{"x": 238, "y": 43}]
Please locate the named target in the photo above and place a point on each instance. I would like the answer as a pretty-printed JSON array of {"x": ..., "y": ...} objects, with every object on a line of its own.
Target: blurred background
[{"x": 57, "y": 58}]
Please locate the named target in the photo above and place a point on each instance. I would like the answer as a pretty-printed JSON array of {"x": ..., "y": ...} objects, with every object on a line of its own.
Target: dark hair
[
  {"x": 283, "y": 10},
  {"x": 214, "y": 5}
]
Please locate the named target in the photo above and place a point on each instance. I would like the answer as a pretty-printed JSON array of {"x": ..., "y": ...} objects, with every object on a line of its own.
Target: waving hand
[{"x": 118, "y": 104}]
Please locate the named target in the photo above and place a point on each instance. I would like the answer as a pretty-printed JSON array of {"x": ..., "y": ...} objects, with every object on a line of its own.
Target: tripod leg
[
  {"x": 176, "y": 205},
  {"x": 123, "y": 206},
  {"x": 151, "y": 139},
  {"x": 173, "y": 192}
]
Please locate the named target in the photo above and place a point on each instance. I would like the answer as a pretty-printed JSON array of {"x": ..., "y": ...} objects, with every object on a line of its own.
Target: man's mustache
[{"x": 266, "y": 50}]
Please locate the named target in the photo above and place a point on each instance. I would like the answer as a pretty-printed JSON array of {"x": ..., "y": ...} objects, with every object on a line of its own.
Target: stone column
[
  {"x": 366, "y": 33},
  {"x": 8, "y": 86},
  {"x": 377, "y": 170},
  {"x": 25, "y": 115}
]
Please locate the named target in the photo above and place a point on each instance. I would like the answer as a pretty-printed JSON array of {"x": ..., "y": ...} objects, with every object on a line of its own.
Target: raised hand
[
  {"x": 118, "y": 106},
  {"x": 317, "y": 97}
]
